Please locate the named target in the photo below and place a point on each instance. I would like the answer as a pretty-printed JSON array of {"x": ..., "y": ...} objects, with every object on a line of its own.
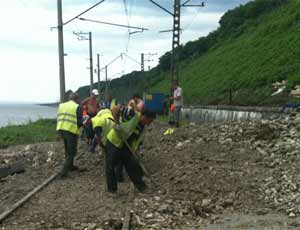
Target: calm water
[{"x": 23, "y": 113}]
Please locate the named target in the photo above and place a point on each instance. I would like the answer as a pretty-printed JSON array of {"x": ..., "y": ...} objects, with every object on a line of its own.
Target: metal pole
[
  {"x": 176, "y": 34},
  {"x": 91, "y": 62},
  {"x": 98, "y": 71},
  {"x": 106, "y": 86},
  {"x": 61, "y": 52},
  {"x": 142, "y": 62},
  {"x": 175, "y": 42}
]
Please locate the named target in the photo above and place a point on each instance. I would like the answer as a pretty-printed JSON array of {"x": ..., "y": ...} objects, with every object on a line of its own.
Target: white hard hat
[{"x": 95, "y": 92}]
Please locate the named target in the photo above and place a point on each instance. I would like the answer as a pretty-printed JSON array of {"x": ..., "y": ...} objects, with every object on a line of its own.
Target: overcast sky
[{"x": 29, "y": 48}]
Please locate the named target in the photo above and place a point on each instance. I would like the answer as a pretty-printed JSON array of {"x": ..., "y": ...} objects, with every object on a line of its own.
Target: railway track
[{"x": 105, "y": 211}]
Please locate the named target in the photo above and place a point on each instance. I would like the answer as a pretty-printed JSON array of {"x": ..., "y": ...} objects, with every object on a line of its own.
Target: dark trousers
[
  {"x": 177, "y": 113},
  {"x": 115, "y": 156},
  {"x": 70, "y": 143},
  {"x": 119, "y": 172},
  {"x": 89, "y": 132}
]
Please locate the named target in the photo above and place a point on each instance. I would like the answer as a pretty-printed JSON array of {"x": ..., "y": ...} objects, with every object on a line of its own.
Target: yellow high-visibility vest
[
  {"x": 105, "y": 120},
  {"x": 67, "y": 117},
  {"x": 136, "y": 142},
  {"x": 126, "y": 129},
  {"x": 113, "y": 103}
]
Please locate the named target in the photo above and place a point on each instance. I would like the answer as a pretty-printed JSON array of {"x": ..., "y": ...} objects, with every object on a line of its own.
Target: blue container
[{"x": 155, "y": 102}]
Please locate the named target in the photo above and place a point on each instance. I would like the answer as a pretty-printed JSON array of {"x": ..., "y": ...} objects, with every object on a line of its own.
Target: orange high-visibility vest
[
  {"x": 172, "y": 108},
  {"x": 84, "y": 111}
]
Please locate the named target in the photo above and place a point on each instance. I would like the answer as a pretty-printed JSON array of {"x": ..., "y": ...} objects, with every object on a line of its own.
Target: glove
[
  {"x": 117, "y": 127},
  {"x": 85, "y": 119}
]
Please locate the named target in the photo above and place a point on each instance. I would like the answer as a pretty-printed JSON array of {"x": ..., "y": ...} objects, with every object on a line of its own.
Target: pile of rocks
[
  {"x": 205, "y": 169},
  {"x": 281, "y": 189},
  {"x": 161, "y": 212},
  {"x": 277, "y": 148}
]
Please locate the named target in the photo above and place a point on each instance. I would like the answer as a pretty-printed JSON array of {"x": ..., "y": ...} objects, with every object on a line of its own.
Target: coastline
[{"x": 54, "y": 104}]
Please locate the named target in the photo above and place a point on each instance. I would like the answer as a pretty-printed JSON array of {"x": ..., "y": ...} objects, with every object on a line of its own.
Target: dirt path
[
  {"x": 203, "y": 177},
  {"x": 78, "y": 202}
]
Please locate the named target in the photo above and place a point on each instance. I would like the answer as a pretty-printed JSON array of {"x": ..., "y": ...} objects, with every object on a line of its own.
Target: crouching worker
[
  {"x": 69, "y": 120},
  {"x": 121, "y": 146},
  {"x": 102, "y": 123}
]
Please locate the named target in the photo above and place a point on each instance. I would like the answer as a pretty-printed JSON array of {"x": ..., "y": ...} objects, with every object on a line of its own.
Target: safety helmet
[{"x": 95, "y": 92}]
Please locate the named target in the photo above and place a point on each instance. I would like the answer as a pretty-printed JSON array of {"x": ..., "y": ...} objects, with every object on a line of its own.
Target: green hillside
[{"x": 256, "y": 45}]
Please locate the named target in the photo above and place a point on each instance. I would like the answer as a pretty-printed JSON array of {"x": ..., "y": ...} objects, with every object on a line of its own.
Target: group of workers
[{"x": 117, "y": 129}]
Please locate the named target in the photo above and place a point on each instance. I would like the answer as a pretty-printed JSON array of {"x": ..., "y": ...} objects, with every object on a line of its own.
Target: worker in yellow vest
[
  {"x": 111, "y": 102},
  {"x": 136, "y": 104},
  {"x": 122, "y": 142},
  {"x": 103, "y": 122},
  {"x": 69, "y": 121}
]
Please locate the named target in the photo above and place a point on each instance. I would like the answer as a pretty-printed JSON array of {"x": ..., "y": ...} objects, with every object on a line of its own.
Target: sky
[{"x": 29, "y": 67}]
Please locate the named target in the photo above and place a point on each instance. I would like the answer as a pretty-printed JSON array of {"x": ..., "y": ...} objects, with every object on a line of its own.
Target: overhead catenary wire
[
  {"x": 192, "y": 20},
  {"x": 130, "y": 8},
  {"x": 80, "y": 35},
  {"x": 124, "y": 64},
  {"x": 161, "y": 7},
  {"x": 127, "y": 15},
  {"x": 120, "y": 56},
  {"x": 127, "y": 19},
  {"x": 77, "y": 16},
  {"x": 112, "y": 24},
  {"x": 185, "y": 4},
  {"x": 194, "y": 17},
  {"x": 131, "y": 58},
  {"x": 111, "y": 62}
]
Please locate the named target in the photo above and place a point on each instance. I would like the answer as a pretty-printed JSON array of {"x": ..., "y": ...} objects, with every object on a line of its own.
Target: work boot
[
  {"x": 79, "y": 169},
  {"x": 74, "y": 168},
  {"x": 92, "y": 149},
  {"x": 62, "y": 175},
  {"x": 120, "y": 179},
  {"x": 146, "y": 191},
  {"x": 112, "y": 194}
]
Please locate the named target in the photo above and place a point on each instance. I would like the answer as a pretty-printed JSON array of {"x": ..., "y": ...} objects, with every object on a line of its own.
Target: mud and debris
[{"x": 238, "y": 175}]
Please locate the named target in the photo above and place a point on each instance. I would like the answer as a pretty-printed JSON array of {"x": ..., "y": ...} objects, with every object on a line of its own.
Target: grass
[
  {"x": 33, "y": 132},
  {"x": 267, "y": 51}
]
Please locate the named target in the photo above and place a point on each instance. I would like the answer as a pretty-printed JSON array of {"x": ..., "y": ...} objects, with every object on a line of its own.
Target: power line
[
  {"x": 195, "y": 16},
  {"x": 81, "y": 37},
  {"x": 126, "y": 14},
  {"x": 132, "y": 59},
  {"x": 111, "y": 62},
  {"x": 130, "y": 8},
  {"x": 127, "y": 18},
  {"x": 83, "y": 12},
  {"x": 192, "y": 21},
  {"x": 161, "y": 7},
  {"x": 113, "y": 24},
  {"x": 185, "y": 4}
]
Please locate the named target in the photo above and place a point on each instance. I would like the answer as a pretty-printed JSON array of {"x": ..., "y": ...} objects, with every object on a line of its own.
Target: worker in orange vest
[{"x": 92, "y": 108}]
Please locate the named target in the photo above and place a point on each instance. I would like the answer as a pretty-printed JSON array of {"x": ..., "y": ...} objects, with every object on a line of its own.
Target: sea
[{"x": 23, "y": 113}]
